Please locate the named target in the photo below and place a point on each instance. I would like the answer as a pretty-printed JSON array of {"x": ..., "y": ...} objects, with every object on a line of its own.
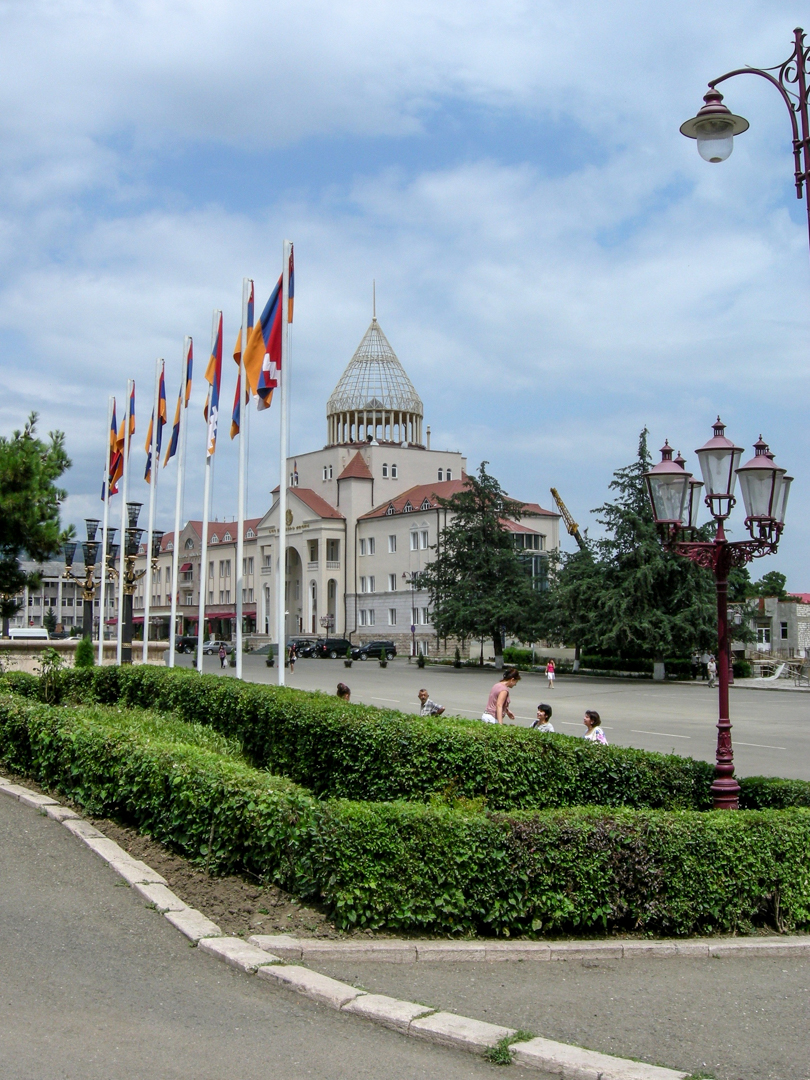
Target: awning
[{"x": 186, "y": 566}]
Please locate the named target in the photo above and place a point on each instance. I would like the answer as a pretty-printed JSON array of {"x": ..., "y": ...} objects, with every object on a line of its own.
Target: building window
[
  {"x": 324, "y": 472},
  {"x": 330, "y": 472},
  {"x": 313, "y": 550},
  {"x": 251, "y": 598},
  {"x": 392, "y": 616},
  {"x": 367, "y": 616},
  {"x": 247, "y": 565},
  {"x": 421, "y": 648},
  {"x": 226, "y": 538},
  {"x": 333, "y": 551},
  {"x": 170, "y": 546},
  {"x": 224, "y": 596},
  {"x": 783, "y": 630},
  {"x": 763, "y": 635},
  {"x": 157, "y": 576},
  {"x": 392, "y": 544},
  {"x": 363, "y": 584},
  {"x": 385, "y": 469},
  {"x": 362, "y": 547},
  {"x": 393, "y": 472},
  {"x": 407, "y": 508},
  {"x": 392, "y": 582},
  {"x": 214, "y": 539},
  {"x": 268, "y": 559},
  {"x": 425, "y": 615},
  {"x": 414, "y": 541},
  {"x": 440, "y": 476},
  {"x": 423, "y": 539},
  {"x": 250, "y": 534},
  {"x": 189, "y": 544},
  {"x": 415, "y": 616},
  {"x": 372, "y": 545},
  {"x": 211, "y": 597},
  {"x": 389, "y": 510},
  {"x": 449, "y": 474},
  {"x": 210, "y": 569}
]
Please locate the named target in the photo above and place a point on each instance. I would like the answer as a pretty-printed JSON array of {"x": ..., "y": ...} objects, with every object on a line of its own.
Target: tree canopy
[
  {"x": 29, "y": 507},
  {"x": 479, "y": 586},
  {"x": 625, "y": 595}
]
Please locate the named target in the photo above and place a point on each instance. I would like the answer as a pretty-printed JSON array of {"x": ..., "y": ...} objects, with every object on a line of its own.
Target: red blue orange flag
[
  {"x": 237, "y": 355},
  {"x": 290, "y": 288},
  {"x": 116, "y": 460},
  {"x": 161, "y": 420},
  {"x": 213, "y": 375},
  {"x": 263, "y": 353},
  {"x": 175, "y": 439},
  {"x": 119, "y": 441}
]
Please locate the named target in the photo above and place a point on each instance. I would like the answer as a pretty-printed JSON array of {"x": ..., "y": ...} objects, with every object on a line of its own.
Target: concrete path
[
  {"x": 741, "y": 1018},
  {"x": 771, "y": 731},
  {"x": 95, "y": 986}
]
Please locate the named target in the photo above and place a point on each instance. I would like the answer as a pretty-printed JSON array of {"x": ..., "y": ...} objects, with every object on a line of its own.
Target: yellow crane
[{"x": 570, "y": 524}]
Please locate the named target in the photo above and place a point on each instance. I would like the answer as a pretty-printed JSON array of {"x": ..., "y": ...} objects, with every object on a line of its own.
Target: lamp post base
[{"x": 726, "y": 793}]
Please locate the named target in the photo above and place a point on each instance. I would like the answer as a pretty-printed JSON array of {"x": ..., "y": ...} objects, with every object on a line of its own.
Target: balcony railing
[
  {"x": 312, "y": 565},
  {"x": 333, "y": 564}
]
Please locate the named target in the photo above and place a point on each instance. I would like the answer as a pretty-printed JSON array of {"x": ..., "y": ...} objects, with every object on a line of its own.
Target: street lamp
[
  {"x": 674, "y": 499},
  {"x": 131, "y": 547},
  {"x": 715, "y": 126},
  {"x": 90, "y": 551}
]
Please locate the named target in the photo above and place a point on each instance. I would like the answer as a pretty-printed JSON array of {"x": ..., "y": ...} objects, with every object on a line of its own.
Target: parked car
[
  {"x": 375, "y": 650},
  {"x": 304, "y": 646},
  {"x": 210, "y": 647},
  {"x": 333, "y": 647},
  {"x": 185, "y": 643}
]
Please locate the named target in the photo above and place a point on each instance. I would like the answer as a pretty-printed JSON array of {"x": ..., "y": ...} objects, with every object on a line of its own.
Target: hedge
[
  {"x": 415, "y": 867},
  {"x": 361, "y": 752}
]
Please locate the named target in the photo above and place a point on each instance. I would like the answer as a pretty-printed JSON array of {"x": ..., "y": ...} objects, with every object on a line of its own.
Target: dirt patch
[{"x": 237, "y": 905}]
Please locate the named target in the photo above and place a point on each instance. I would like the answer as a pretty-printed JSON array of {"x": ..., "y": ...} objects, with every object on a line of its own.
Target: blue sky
[{"x": 556, "y": 267}]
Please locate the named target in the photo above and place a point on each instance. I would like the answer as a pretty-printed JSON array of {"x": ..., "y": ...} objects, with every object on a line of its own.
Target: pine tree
[{"x": 478, "y": 585}]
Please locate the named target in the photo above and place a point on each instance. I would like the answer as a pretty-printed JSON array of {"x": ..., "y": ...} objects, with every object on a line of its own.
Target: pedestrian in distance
[
  {"x": 428, "y": 707},
  {"x": 711, "y": 668},
  {"x": 223, "y": 655},
  {"x": 498, "y": 703},
  {"x": 594, "y": 733},
  {"x": 704, "y": 664},
  {"x": 293, "y": 657},
  {"x": 343, "y": 692},
  {"x": 695, "y": 665},
  {"x": 551, "y": 671},
  {"x": 543, "y": 722}
]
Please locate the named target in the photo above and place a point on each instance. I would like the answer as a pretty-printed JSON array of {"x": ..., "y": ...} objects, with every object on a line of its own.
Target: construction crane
[{"x": 570, "y": 524}]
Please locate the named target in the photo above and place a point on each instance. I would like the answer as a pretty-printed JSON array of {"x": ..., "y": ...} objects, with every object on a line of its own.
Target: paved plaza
[{"x": 771, "y": 729}]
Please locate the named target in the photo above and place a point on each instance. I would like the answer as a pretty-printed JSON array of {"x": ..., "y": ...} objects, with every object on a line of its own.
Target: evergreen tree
[
  {"x": 49, "y": 620},
  {"x": 770, "y": 584},
  {"x": 478, "y": 585},
  {"x": 29, "y": 508},
  {"x": 625, "y": 595}
]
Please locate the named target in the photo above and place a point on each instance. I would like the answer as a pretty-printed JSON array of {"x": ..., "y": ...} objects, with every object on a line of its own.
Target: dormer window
[
  {"x": 425, "y": 505},
  {"x": 407, "y": 508},
  {"x": 215, "y": 539},
  {"x": 226, "y": 537},
  {"x": 250, "y": 534},
  {"x": 170, "y": 546},
  {"x": 390, "y": 510},
  {"x": 385, "y": 468},
  {"x": 441, "y": 475}
]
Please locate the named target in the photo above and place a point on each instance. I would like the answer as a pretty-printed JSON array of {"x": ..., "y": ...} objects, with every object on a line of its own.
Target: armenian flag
[
  {"x": 213, "y": 375},
  {"x": 237, "y": 355},
  {"x": 161, "y": 420},
  {"x": 119, "y": 441},
  {"x": 116, "y": 460},
  {"x": 175, "y": 439}
]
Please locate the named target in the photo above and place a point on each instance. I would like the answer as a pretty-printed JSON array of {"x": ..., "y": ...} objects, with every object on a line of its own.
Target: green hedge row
[
  {"x": 415, "y": 867},
  {"x": 361, "y": 752}
]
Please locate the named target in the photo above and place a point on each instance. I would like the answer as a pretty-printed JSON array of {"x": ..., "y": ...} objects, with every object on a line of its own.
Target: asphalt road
[
  {"x": 771, "y": 729},
  {"x": 94, "y": 986}
]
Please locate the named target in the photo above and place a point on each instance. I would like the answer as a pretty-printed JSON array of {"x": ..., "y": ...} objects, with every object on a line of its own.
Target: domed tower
[{"x": 374, "y": 398}]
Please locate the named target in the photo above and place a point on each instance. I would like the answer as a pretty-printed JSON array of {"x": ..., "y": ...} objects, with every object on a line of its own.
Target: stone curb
[
  {"x": 408, "y": 1017},
  {"x": 392, "y": 950}
]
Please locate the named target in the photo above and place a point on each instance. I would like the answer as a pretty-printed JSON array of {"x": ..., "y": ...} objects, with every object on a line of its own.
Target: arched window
[
  {"x": 440, "y": 476},
  {"x": 449, "y": 474},
  {"x": 385, "y": 468},
  {"x": 189, "y": 544},
  {"x": 393, "y": 472}
]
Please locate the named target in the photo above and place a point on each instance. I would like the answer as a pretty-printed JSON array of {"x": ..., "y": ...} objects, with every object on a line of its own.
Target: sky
[{"x": 555, "y": 266}]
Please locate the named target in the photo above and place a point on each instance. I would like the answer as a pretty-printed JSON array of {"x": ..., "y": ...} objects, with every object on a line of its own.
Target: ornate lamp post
[
  {"x": 715, "y": 126},
  {"x": 90, "y": 552},
  {"x": 675, "y": 496},
  {"x": 132, "y": 544}
]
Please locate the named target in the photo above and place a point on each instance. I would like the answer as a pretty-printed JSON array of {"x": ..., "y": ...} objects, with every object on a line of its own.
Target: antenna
[{"x": 374, "y": 299}]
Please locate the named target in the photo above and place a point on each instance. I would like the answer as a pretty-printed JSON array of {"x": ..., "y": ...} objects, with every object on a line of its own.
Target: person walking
[
  {"x": 543, "y": 722},
  {"x": 293, "y": 657},
  {"x": 343, "y": 692},
  {"x": 223, "y": 655},
  {"x": 498, "y": 703},
  {"x": 594, "y": 731},
  {"x": 551, "y": 671},
  {"x": 711, "y": 669},
  {"x": 428, "y": 707}
]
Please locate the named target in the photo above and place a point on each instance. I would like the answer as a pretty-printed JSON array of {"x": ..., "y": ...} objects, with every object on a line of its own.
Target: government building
[{"x": 363, "y": 518}]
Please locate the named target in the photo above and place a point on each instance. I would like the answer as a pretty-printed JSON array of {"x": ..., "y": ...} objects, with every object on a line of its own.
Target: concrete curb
[
  {"x": 398, "y": 951},
  {"x": 256, "y": 956}
]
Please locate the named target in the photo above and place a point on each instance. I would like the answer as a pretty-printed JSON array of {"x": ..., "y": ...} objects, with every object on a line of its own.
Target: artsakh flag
[
  {"x": 263, "y": 354},
  {"x": 175, "y": 439},
  {"x": 213, "y": 375},
  {"x": 237, "y": 355},
  {"x": 162, "y": 417}
]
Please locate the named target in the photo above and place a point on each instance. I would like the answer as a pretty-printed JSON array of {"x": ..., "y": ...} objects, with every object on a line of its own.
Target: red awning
[
  {"x": 220, "y": 614},
  {"x": 186, "y": 566}
]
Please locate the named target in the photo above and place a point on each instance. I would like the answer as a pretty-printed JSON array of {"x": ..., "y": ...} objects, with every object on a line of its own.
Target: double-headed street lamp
[
  {"x": 90, "y": 553},
  {"x": 675, "y": 498},
  {"x": 715, "y": 126},
  {"x": 132, "y": 545}
]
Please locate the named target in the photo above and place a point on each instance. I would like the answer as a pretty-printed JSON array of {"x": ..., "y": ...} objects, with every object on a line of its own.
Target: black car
[
  {"x": 375, "y": 650},
  {"x": 304, "y": 646},
  {"x": 185, "y": 643},
  {"x": 332, "y": 647}
]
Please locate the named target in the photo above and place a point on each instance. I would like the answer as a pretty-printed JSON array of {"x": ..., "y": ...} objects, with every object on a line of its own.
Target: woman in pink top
[{"x": 498, "y": 703}]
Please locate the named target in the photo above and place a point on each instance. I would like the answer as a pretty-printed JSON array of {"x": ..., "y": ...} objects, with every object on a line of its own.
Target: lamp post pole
[
  {"x": 675, "y": 498},
  {"x": 714, "y": 126}
]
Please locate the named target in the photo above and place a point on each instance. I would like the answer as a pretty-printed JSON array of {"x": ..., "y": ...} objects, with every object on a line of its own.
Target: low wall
[{"x": 24, "y": 654}]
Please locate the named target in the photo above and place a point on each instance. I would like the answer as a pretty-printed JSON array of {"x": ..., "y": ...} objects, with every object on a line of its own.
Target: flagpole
[
  {"x": 209, "y": 464},
  {"x": 102, "y": 595},
  {"x": 240, "y": 512},
  {"x": 153, "y": 476},
  {"x": 178, "y": 502},
  {"x": 119, "y": 650},
  {"x": 281, "y": 570}
]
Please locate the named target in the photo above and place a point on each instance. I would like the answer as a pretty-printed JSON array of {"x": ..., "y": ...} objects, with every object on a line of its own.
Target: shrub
[
  {"x": 742, "y": 669},
  {"x": 414, "y": 867},
  {"x": 84, "y": 657},
  {"x": 513, "y": 655}
]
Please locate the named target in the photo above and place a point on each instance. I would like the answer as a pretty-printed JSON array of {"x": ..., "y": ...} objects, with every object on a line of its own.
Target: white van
[{"x": 20, "y": 633}]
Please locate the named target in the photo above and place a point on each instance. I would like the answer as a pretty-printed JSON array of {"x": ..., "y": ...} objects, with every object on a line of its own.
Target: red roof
[
  {"x": 534, "y": 509},
  {"x": 356, "y": 469},
  {"x": 802, "y": 597},
  {"x": 444, "y": 489},
  {"x": 314, "y": 501},
  {"x": 219, "y": 528}
]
